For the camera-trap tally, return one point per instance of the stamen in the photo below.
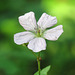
(39, 31)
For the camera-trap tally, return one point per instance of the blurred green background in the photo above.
(60, 54)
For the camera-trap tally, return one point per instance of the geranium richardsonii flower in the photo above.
(37, 32)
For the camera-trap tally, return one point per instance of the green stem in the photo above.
(30, 50)
(33, 53)
(38, 62)
(38, 58)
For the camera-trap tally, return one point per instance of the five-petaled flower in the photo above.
(37, 32)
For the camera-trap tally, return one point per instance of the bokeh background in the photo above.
(60, 54)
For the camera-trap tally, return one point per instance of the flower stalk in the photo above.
(33, 53)
(38, 60)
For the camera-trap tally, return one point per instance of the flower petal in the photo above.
(23, 37)
(54, 33)
(37, 44)
(46, 21)
(28, 21)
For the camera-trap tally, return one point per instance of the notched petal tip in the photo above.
(31, 12)
(38, 50)
(15, 39)
(61, 27)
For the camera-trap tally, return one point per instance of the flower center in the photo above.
(38, 33)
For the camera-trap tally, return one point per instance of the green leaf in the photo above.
(43, 71)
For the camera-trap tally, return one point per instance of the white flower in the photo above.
(36, 33)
